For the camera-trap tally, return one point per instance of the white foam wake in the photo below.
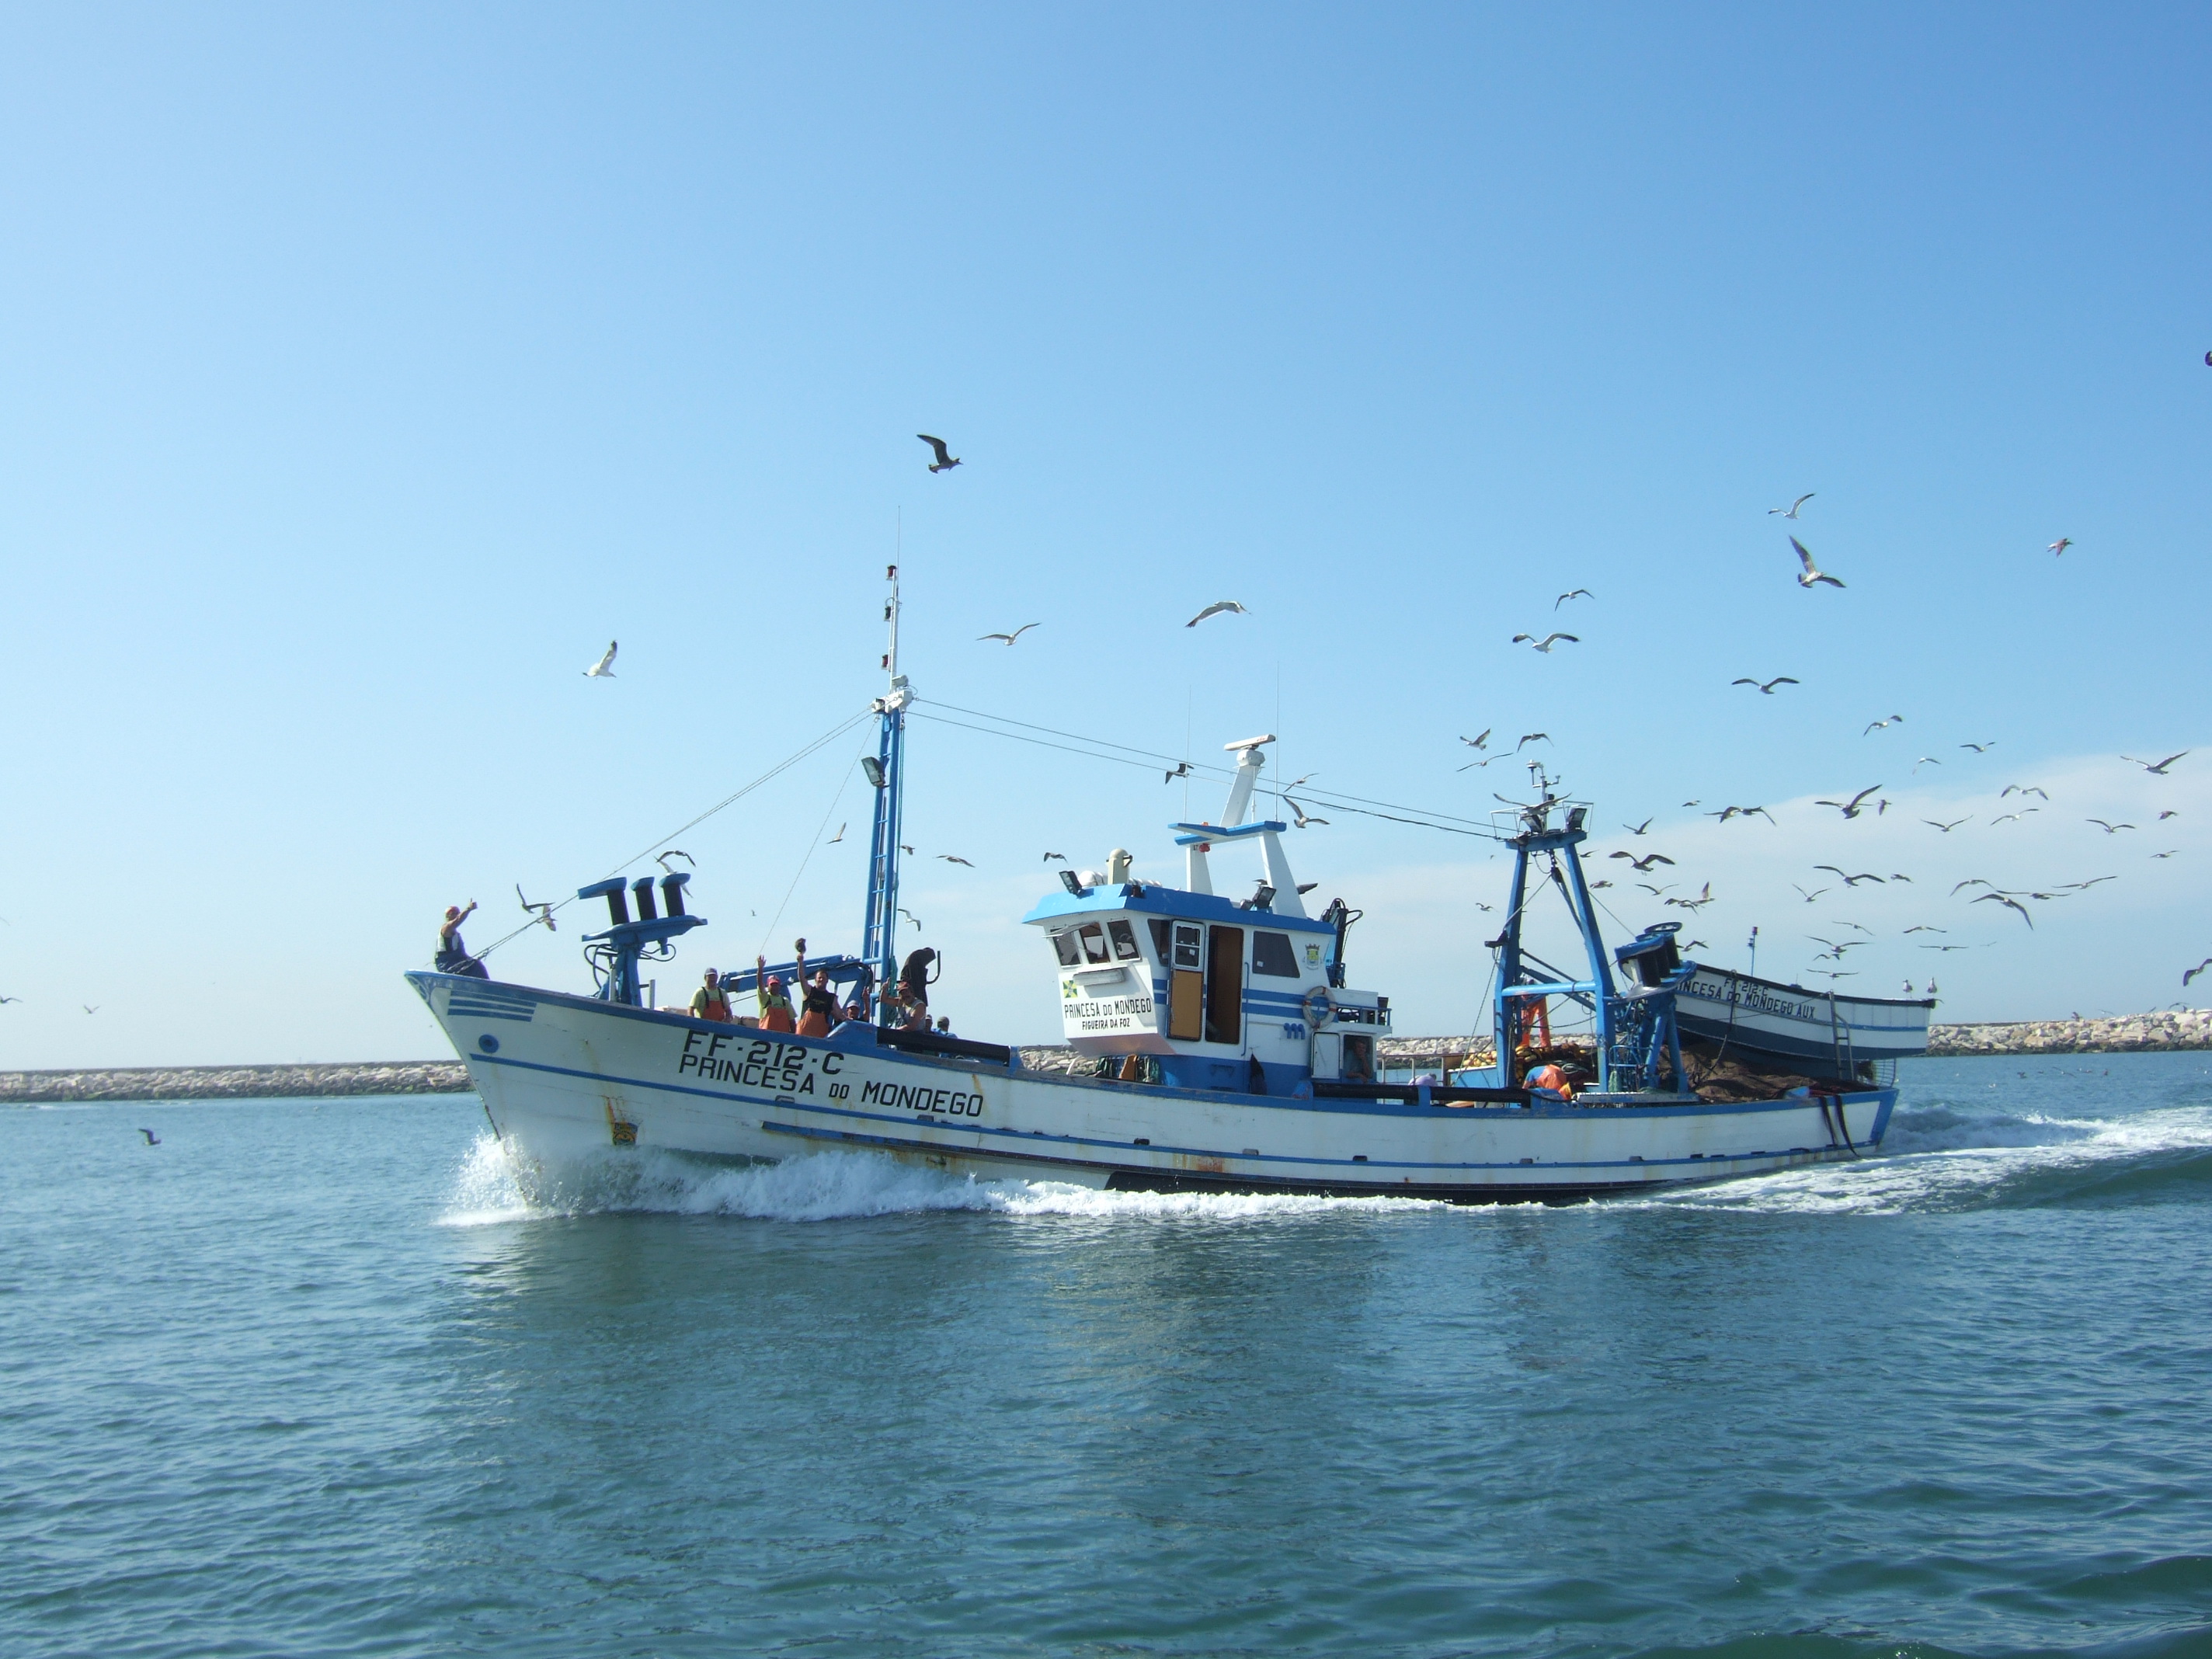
(1944, 1155)
(489, 1189)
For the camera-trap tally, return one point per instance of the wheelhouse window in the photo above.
(1190, 945)
(1272, 955)
(1094, 942)
(1125, 942)
(1064, 947)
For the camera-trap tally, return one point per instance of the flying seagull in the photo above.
(2060, 545)
(1545, 643)
(2168, 813)
(90, 1008)
(954, 858)
(538, 912)
(1768, 688)
(10, 998)
(1300, 813)
(1578, 593)
(1049, 857)
(1215, 610)
(1811, 896)
(1980, 748)
(2109, 828)
(1922, 927)
(1182, 770)
(1852, 881)
(1894, 719)
(1727, 812)
(1851, 808)
(2198, 970)
(1638, 829)
(1643, 866)
(1529, 737)
(1947, 828)
(1925, 760)
(2158, 770)
(946, 461)
(2008, 903)
(834, 839)
(153, 1140)
(1482, 742)
(1008, 638)
(661, 859)
(911, 917)
(1812, 574)
(603, 669)
(1791, 511)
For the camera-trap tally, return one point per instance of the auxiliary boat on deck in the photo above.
(1230, 1053)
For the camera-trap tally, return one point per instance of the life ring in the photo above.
(1319, 1005)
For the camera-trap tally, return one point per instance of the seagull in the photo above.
(1529, 738)
(951, 858)
(1810, 896)
(911, 917)
(1791, 511)
(661, 859)
(89, 1007)
(1693, 803)
(1971, 881)
(2013, 818)
(1852, 881)
(1942, 947)
(1643, 866)
(1049, 857)
(1578, 594)
(1215, 610)
(1980, 748)
(1180, 771)
(946, 461)
(1893, 876)
(1545, 644)
(2168, 813)
(1653, 891)
(1300, 812)
(2166, 854)
(903, 847)
(2083, 886)
(2198, 970)
(1894, 719)
(1597, 885)
(1294, 782)
(10, 998)
(538, 912)
(1704, 898)
(1638, 829)
(1812, 574)
(1947, 828)
(1922, 927)
(834, 839)
(1008, 638)
(153, 1140)
(2109, 828)
(1925, 760)
(1482, 742)
(603, 669)
(2024, 790)
(2158, 770)
(2008, 903)
(1768, 688)
(1727, 812)
(2060, 545)
(1851, 808)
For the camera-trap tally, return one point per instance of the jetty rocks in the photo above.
(422, 1077)
(2117, 1034)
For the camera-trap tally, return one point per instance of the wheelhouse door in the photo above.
(1187, 983)
(1224, 984)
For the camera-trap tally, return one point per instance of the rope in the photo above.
(844, 782)
(781, 766)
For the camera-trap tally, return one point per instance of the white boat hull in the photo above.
(561, 1077)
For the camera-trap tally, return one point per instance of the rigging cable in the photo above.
(781, 766)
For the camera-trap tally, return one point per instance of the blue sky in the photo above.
(366, 369)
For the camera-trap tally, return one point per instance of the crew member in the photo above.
(454, 956)
(710, 1000)
(774, 1001)
(818, 1009)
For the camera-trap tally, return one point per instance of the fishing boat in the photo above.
(1223, 1046)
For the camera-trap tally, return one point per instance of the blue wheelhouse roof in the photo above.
(1147, 899)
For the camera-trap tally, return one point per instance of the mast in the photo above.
(887, 772)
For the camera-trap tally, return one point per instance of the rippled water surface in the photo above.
(310, 1377)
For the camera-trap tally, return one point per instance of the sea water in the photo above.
(314, 1378)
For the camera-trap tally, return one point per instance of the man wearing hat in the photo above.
(710, 1000)
(774, 1001)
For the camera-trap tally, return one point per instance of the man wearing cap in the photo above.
(710, 1000)
(774, 1001)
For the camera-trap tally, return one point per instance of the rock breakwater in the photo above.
(424, 1077)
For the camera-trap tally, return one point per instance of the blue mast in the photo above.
(887, 772)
